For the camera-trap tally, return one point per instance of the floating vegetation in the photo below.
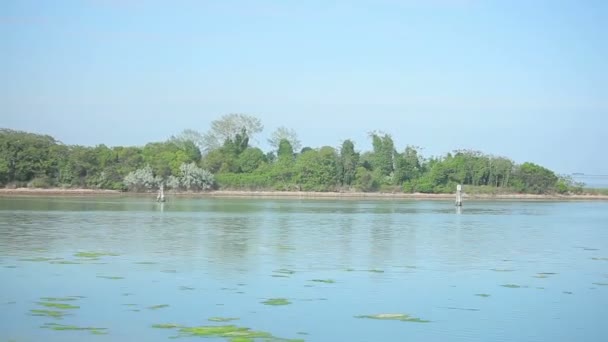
(231, 333)
(159, 306)
(375, 271)
(483, 295)
(350, 270)
(59, 299)
(567, 292)
(603, 259)
(511, 286)
(222, 319)
(302, 333)
(462, 309)
(10, 266)
(40, 259)
(601, 284)
(276, 301)
(61, 306)
(590, 249)
(48, 313)
(542, 275)
(284, 271)
(64, 262)
(166, 326)
(394, 317)
(127, 294)
(186, 288)
(279, 276)
(93, 255)
(99, 332)
(61, 327)
(501, 270)
(326, 281)
(130, 304)
(110, 277)
(146, 263)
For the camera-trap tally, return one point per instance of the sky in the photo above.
(522, 79)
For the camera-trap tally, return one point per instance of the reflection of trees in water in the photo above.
(228, 240)
(382, 232)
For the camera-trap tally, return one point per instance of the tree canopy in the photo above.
(231, 162)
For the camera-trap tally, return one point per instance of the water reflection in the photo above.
(424, 258)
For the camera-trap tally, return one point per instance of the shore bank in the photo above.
(297, 195)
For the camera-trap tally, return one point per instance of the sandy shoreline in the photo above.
(296, 195)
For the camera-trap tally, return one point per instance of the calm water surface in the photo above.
(223, 257)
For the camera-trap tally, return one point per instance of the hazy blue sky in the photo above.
(525, 79)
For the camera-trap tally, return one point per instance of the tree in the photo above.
(383, 153)
(283, 133)
(251, 159)
(317, 170)
(349, 159)
(193, 177)
(535, 178)
(227, 127)
(141, 179)
(188, 136)
(285, 151)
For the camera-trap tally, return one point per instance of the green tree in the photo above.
(349, 159)
(227, 127)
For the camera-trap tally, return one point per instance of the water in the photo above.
(592, 181)
(223, 257)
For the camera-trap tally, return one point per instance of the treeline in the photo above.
(224, 158)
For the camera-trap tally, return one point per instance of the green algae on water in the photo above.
(394, 317)
(601, 284)
(110, 277)
(159, 306)
(40, 259)
(483, 295)
(146, 263)
(511, 286)
(326, 281)
(186, 288)
(222, 319)
(48, 313)
(276, 301)
(61, 327)
(93, 255)
(375, 271)
(166, 326)
(603, 259)
(231, 332)
(59, 299)
(60, 306)
(284, 271)
(64, 262)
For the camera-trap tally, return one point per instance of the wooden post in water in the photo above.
(161, 193)
(459, 195)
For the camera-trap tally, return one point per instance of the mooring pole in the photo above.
(459, 195)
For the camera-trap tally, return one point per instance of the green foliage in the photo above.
(230, 162)
(347, 166)
(317, 170)
(535, 178)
